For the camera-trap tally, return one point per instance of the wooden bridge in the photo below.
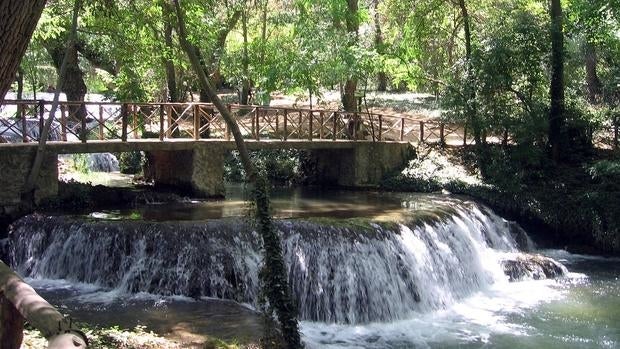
(185, 144)
(86, 121)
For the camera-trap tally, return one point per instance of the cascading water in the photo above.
(103, 162)
(95, 162)
(349, 272)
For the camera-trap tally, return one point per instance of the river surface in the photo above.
(580, 310)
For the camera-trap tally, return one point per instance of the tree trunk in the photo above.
(72, 84)
(381, 76)
(11, 325)
(273, 274)
(245, 85)
(18, 19)
(556, 113)
(20, 83)
(28, 189)
(594, 83)
(349, 102)
(171, 79)
(471, 109)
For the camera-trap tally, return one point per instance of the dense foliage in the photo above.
(493, 74)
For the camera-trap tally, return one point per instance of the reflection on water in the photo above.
(181, 319)
(290, 203)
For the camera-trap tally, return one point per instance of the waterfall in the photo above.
(11, 130)
(103, 162)
(339, 271)
(94, 162)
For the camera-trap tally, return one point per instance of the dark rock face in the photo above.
(532, 267)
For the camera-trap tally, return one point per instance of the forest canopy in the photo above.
(490, 64)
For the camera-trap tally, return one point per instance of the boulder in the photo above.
(532, 267)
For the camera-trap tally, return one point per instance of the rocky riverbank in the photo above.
(576, 206)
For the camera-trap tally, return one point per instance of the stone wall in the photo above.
(200, 172)
(364, 165)
(15, 165)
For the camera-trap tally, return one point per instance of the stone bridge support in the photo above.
(199, 171)
(198, 167)
(364, 165)
(15, 165)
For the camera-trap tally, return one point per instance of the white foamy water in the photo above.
(472, 321)
(436, 280)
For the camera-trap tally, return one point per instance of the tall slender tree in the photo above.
(349, 102)
(276, 286)
(556, 112)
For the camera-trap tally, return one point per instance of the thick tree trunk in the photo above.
(11, 325)
(556, 91)
(72, 84)
(18, 19)
(349, 102)
(274, 273)
(594, 83)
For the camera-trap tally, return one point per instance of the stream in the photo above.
(368, 270)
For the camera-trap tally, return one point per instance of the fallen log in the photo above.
(19, 302)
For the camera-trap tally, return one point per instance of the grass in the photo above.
(136, 338)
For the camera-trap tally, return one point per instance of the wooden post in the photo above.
(133, 109)
(225, 123)
(402, 129)
(22, 114)
(124, 122)
(169, 117)
(421, 132)
(277, 124)
(616, 133)
(380, 136)
(505, 140)
(83, 133)
(335, 122)
(100, 122)
(41, 107)
(285, 124)
(11, 325)
(355, 125)
(465, 134)
(310, 125)
(196, 122)
(63, 122)
(162, 128)
(322, 123)
(442, 137)
(257, 135)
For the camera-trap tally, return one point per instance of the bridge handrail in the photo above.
(20, 302)
(203, 104)
(197, 120)
(202, 120)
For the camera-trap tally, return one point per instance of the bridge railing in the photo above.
(22, 121)
(19, 303)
